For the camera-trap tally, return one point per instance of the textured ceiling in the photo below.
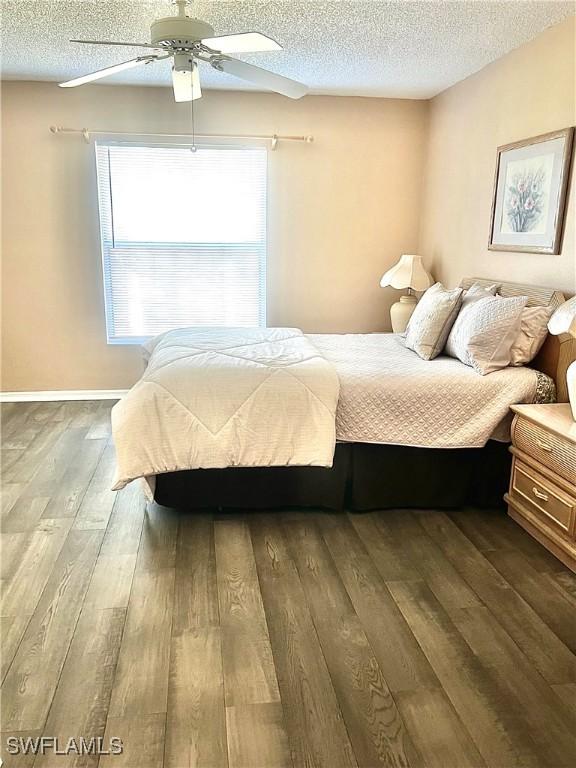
(406, 48)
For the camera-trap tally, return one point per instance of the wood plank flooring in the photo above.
(294, 639)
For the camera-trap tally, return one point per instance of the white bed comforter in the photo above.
(390, 395)
(227, 397)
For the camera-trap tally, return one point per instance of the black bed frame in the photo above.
(363, 477)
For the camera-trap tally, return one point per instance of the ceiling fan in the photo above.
(188, 41)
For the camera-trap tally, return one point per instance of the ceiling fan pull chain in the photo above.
(193, 147)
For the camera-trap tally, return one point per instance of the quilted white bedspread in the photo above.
(227, 397)
(390, 395)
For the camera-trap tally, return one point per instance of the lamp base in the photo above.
(571, 384)
(401, 312)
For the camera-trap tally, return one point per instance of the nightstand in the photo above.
(542, 495)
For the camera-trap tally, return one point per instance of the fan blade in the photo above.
(108, 71)
(259, 76)
(115, 42)
(243, 42)
(186, 84)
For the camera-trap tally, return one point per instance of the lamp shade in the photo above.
(564, 319)
(407, 273)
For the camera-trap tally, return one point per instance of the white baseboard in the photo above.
(62, 394)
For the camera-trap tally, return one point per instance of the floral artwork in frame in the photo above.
(530, 193)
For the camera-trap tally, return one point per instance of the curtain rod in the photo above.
(272, 138)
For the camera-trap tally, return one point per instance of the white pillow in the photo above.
(533, 331)
(474, 293)
(478, 290)
(430, 324)
(484, 332)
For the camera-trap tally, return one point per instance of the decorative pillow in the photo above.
(533, 331)
(474, 293)
(477, 290)
(485, 330)
(430, 324)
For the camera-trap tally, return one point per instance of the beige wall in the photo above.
(528, 92)
(342, 210)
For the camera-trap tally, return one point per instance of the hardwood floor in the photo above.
(301, 639)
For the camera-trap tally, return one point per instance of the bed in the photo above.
(403, 432)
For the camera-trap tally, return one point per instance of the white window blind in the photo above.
(183, 237)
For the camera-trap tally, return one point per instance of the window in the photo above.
(183, 237)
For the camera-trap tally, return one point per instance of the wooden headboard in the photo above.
(557, 351)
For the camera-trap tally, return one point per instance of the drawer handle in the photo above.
(539, 494)
(544, 446)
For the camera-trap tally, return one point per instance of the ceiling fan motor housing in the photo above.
(179, 31)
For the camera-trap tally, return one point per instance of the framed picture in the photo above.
(530, 192)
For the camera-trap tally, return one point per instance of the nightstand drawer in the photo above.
(556, 453)
(542, 496)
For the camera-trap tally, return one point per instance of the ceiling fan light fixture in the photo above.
(185, 79)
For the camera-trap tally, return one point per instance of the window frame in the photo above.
(156, 142)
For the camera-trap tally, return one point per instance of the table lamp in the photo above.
(407, 273)
(563, 323)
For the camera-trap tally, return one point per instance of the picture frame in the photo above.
(530, 193)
